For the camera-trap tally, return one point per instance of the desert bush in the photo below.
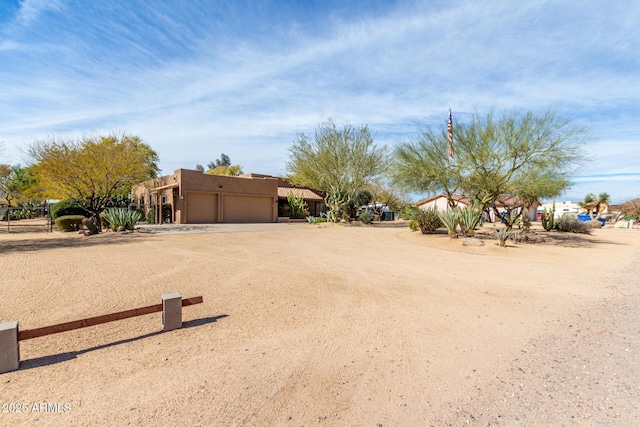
(66, 207)
(594, 223)
(568, 223)
(427, 220)
(69, 222)
(631, 209)
(366, 217)
(122, 219)
(413, 225)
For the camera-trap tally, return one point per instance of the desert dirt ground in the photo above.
(326, 325)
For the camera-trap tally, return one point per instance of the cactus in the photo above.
(549, 223)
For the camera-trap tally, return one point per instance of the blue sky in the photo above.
(196, 78)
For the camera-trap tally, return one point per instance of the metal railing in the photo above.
(27, 219)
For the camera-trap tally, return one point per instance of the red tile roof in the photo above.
(283, 193)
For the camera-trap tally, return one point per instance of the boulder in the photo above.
(472, 241)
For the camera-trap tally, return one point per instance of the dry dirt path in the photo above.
(322, 325)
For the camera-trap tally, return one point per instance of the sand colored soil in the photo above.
(326, 325)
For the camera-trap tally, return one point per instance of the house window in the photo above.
(164, 199)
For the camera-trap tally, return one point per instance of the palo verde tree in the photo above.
(337, 161)
(517, 157)
(422, 165)
(93, 170)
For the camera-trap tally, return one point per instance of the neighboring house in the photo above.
(561, 208)
(193, 197)
(441, 202)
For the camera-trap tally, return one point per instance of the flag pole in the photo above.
(450, 134)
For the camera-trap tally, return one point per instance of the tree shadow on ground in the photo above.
(63, 357)
(553, 238)
(73, 240)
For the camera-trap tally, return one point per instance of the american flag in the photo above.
(450, 130)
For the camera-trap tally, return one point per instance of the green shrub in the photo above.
(413, 225)
(69, 222)
(427, 220)
(366, 217)
(570, 224)
(122, 219)
(67, 207)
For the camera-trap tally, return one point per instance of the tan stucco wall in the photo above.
(192, 181)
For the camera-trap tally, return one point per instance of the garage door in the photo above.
(202, 208)
(248, 209)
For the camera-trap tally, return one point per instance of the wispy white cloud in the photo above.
(219, 77)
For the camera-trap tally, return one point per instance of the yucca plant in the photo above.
(469, 217)
(450, 218)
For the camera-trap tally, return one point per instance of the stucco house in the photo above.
(192, 197)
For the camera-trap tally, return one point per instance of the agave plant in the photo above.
(450, 218)
(469, 217)
(504, 233)
(122, 219)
